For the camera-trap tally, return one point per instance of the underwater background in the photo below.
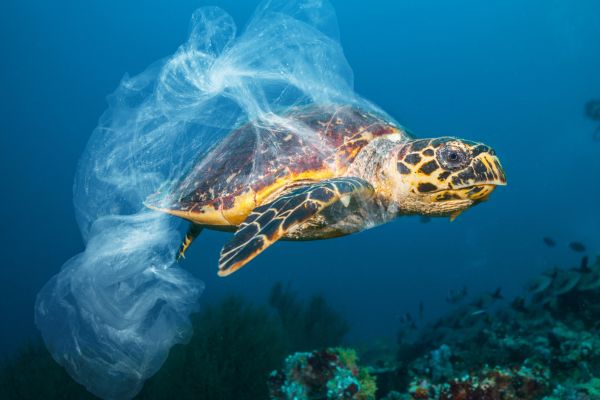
(515, 75)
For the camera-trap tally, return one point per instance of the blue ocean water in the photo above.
(511, 74)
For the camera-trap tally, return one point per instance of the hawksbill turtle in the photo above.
(355, 169)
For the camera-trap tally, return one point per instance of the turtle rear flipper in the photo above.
(269, 222)
(192, 234)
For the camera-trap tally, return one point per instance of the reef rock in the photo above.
(324, 374)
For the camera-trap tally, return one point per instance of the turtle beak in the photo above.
(490, 175)
(480, 193)
(494, 174)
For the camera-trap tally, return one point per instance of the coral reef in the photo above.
(583, 391)
(520, 383)
(544, 345)
(330, 374)
(441, 365)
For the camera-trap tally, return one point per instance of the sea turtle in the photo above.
(321, 172)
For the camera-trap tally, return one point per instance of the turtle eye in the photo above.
(452, 157)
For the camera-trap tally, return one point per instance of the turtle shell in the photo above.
(259, 159)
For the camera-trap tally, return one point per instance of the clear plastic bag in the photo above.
(113, 312)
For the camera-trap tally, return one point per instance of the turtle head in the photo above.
(443, 176)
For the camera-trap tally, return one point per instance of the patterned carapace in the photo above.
(258, 159)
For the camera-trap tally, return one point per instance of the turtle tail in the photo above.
(191, 234)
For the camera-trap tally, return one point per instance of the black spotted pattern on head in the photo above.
(477, 172)
(447, 196)
(443, 176)
(435, 143)
(478, 149)
(475, 190)
(413, 158)
(469, 142)
(429, 167)
(479, 168)
(427, 187)
(419, 145)
(464, 176)
(403, 169)
(428, 152)
(499, 168)
(482, 172)
(444, 196)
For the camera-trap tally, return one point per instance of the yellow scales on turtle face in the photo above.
(354, 170)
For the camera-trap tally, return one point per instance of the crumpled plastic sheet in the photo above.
(112, 313)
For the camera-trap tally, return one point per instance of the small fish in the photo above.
(549, 241)
(577, 247)
(425, 219)
(478, 312)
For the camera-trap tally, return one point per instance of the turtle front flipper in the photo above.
(192, 234)
(269, 222)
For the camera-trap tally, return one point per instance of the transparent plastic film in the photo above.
(113, 312)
